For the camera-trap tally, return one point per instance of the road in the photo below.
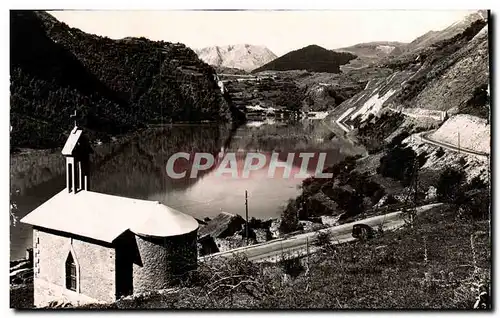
(437, 115)
(424, 135)
(425, 138)
(341, 118)
(299, 244)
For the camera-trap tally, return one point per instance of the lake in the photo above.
(138, 170)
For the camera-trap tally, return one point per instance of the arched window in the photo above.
(70, 273)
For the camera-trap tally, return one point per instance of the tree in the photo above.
(440, 152)
(396, 141)
(351, 202)
(476, 183)
(289, 218)
(476, 204)
(398, 164)
(448, 186)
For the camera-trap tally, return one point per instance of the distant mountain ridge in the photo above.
(313, 58)
(373, 49)
(370, 52)
(458, 27)
(450, 75)
(241, 56)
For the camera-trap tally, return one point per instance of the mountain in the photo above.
(115, 86)
(426, 85)
(242, 56)
(432, 37)
(372, 49)
(312, 58)
(373, 52)
(370, 52)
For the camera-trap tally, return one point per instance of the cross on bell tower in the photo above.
(73, 116)
(77, 151)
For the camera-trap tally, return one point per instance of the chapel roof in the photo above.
(105, 217)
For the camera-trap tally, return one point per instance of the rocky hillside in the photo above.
(473, 132)
(114, 85)
(325, 91)
(442, 88)
(276, 91)
(449, 32)
(311, 58)
(368, 53)
(307, 91)
(229, 70)
(449, 76)
(410, 115)
(242, 56)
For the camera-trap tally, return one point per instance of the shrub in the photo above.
(398, 164)
(476, 183)
(448, 186)
(289, 218)
(365, 186)
(476, 204)
(292, 267)
(350, 202)
(422, 159)
(396, 141)
(323, 239)
(255, 223)
(377, 196)
(478, 104)
(373, 132)
(21, 296)
(440, 152)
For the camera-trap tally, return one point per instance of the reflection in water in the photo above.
(138, 171)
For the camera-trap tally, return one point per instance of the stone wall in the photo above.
(95, 264)
(163, 261)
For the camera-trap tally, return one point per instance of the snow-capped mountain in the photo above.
(242, 56)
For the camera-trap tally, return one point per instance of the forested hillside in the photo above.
(115, 86)
(311, 58)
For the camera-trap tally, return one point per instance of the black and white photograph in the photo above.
(250, 159)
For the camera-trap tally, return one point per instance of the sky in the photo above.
(280, 31)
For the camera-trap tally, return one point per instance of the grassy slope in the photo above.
(432, 265)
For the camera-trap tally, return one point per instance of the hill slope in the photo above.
(371, 52)
(312, 58)
(372, 49)
(451, 76)
(115, 86)
(242, 56)
(449, 32)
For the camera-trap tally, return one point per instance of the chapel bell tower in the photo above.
(77, 151)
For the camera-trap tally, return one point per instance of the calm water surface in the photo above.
(138, 171)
